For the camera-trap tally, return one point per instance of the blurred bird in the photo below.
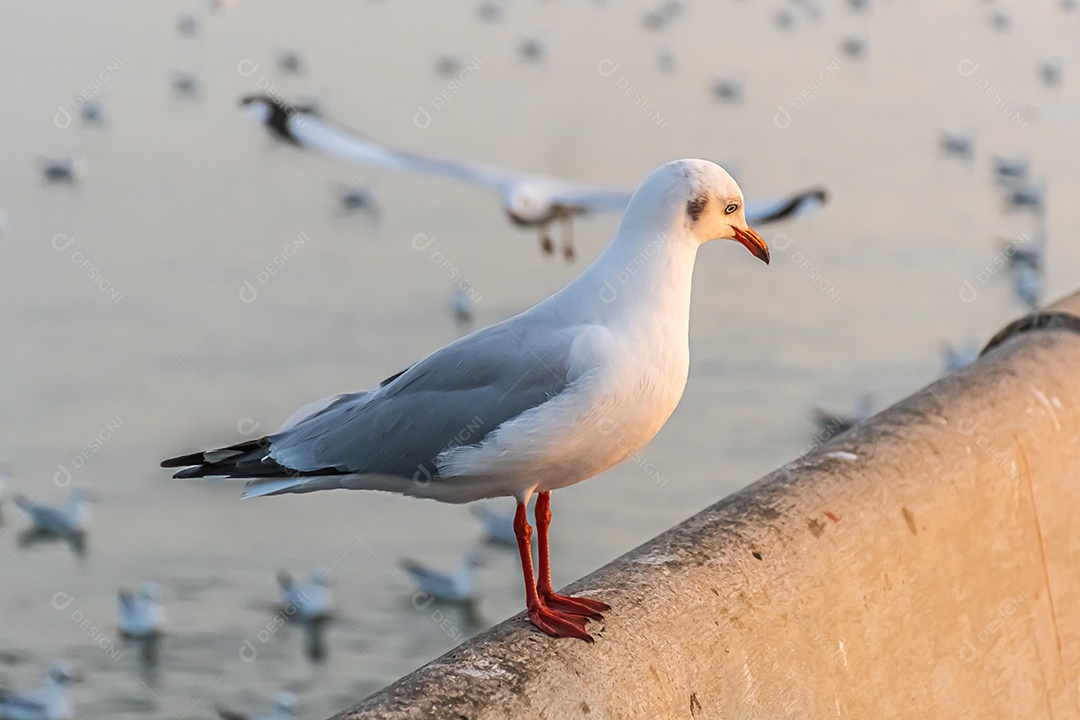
(357, 198)
(960, 143)
(1050, 71)
(49, 523)
(854, 45)
(1025, 251)
(859, 5)
(1027, 286)
(140, 619)
(461, 305)
(530, 201)
(48, 703)
(532, 48)
(448, 65)
(290, 62)
(784, 19)
(499, 527)
(665, 59)
(1010, 170)
(61, 170)
(187, 24)
(284, 709)
(1029, 196)
(954, 358)
(663, 15)
(303, 602)
(728, 89)
(830, 424)
(456, 587)
(92, 113)
(490, 10)
(1001, 21)
(185, 83)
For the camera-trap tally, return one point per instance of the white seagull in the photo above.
(48, 703)
(284, 709)
(530, 201)
(140, 618)
(304, 602)
(309, 605)
(456, 587)
(68, 524)
(546, 399)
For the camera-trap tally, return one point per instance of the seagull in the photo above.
(284, 709)
(49, 523)
(728, 89)
(1027, 196)
(490, 10)
(498, 528)
(187, 24)
(666, 60)
(530, 201)
(1050, 71)
(1027, 286)
(140, 618)
(447, 65)
(461, 305)
(960, 143)
(185, 83)
(290, 62)
(92, 112)
(456, 587)
(357, 198)
(532, 49)
(61, 170)
(309, 605)
(1001, 21)
(48, 703)
(551, 397)
(854, 45)
(306, 602)
(831, 424)
(1010, 170)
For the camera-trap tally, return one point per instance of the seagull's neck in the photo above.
(645, 271)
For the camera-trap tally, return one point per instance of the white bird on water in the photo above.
(140, 618)
(48, 703)
(453, 587)
(68, 524)
(531, 201)
(305, 602)
(546, 399)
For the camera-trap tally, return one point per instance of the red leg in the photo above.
(552, 622)
(563, 603)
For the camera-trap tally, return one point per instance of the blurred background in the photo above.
(196, 281)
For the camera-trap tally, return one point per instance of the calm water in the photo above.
(131, 342)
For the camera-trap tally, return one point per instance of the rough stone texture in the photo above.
(924, 565)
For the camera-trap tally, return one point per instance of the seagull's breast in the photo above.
(631, 381)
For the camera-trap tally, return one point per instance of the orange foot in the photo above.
(558, 624)
(568, 605)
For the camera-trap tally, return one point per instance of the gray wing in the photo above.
(44, 517)
(456, 396)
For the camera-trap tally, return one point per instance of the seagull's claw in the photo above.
(556, 624)
(584, 607)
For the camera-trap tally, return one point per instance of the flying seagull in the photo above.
(551, 397)
(68, 524)
(530, 201)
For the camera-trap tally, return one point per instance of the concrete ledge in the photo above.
(923, 565)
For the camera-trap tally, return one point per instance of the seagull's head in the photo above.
(700, 199)
(527, 204)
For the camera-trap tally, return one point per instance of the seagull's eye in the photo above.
(732, 207)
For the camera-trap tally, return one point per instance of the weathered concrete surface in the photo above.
(924, 565)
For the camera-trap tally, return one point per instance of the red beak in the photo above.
(753, 242)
